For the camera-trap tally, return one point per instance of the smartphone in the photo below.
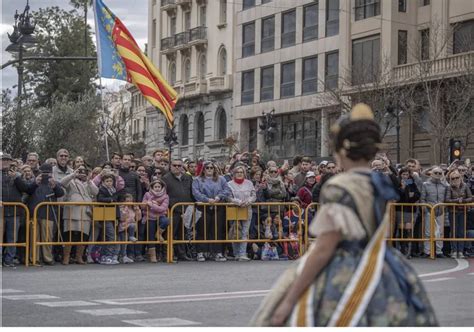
(408, 182)
(285, 161)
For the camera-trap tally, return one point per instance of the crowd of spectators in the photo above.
(159, 183)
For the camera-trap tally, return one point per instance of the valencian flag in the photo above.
(119, 57)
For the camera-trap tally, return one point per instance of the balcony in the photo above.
(194, 89)
(198, 36)
(432, 69)
(181, 40)
(184, 3)
(168, 5)
(167, 45)
(220, 84)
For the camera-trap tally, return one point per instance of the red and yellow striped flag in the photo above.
(139, 69)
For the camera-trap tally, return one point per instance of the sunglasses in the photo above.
(239, 172)
(455, 178)
(63, 156)
(174, 165)
(438, 173)
(330, 167)
(273, 172)
(209, 167)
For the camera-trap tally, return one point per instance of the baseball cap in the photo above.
(310, 174)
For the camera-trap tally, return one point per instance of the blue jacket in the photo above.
(206, 188)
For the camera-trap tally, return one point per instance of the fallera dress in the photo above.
(366, 283)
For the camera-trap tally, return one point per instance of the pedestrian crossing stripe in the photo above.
(29, 297)
(161, 322)
(111, 312)
(67, 304)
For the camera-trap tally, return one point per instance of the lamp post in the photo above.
(268, 126)
(396, 114)
(170, 139)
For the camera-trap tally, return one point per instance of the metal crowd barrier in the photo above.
(16, 223)
(310, 213)
(93, 214)
(447, 214)
(260, 214)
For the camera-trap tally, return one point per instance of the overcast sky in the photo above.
(133, 13)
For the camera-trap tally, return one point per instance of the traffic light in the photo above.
(455, 150)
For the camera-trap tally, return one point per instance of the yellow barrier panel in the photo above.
(16, 215)
(204, 230)
(310, 212)
(47, 230)
(457, 216)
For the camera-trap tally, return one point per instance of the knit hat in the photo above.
(46, 168)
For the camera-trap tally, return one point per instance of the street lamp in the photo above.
(391, 111)
(170, 139)
(268, 126)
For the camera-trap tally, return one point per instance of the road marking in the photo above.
(67, 304)
(471, 274)
(161, 322)
(29, 297)
(462, 265)
(439, 279)
(185, 298)
(111, 312)
(9, 291)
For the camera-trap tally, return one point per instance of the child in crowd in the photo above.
(157, 201)
(129, 216)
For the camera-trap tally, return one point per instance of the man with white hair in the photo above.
(434, 192)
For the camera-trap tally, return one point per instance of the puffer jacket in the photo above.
(463, 192)
(159, 206)
(433, 192)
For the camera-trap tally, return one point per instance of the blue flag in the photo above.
(109, 61)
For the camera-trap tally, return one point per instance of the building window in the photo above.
(425, 44)
(266, 83)
(268, 34)
(184, 130)
(366, 8)
(425, 2)
(248, 39)
(310, 22)
(187, 70)
(187, 21)
(222, 61)
(288, 28)
(265, 1)
(173, 25)
(287, 87)
(310, 75)
(248, 4)
(365, 60)
(402, 46)
(332, 17)
(202, 67)
(332, 70)
(199, 128)
(153, 34)
(247, 87)
(202, 16)
(402, 6)
(173, 73)
(221, 124)
(463, 39)
(223, 12)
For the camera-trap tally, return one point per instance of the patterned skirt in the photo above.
(388, 307)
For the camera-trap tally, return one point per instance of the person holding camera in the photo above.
(13, 187)
(77, 219)
(47, 190)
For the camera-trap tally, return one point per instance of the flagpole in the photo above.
(106, 122)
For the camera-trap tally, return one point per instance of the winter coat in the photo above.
(44, 193)
(409, 195)
(133, 185)
(305, 195)
(78, 191)
(179, 190)
(433, 192)
(463, 192)
(12, 190)
(206, 188)
(275, 191)
(159, 206)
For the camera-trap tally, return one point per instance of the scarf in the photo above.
(158, 193)
(239, 181)
(63, 169)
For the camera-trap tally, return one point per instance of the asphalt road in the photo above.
(188, 293)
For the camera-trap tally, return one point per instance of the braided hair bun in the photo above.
(357, 136)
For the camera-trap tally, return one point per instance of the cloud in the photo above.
(134, 14)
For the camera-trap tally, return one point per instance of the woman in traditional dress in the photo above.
(349, 277)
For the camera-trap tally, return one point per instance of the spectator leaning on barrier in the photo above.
(77, 219)
(211, 188)
(406, 216)
(434, 192)
(458, 193)
(158, 201)
(47, 190)
(179, 186)
(243, 195)
(13, 187)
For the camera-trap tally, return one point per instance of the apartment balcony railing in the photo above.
(184, 3)
(193, 89)
(167, 44)
(168, 5)
(432, 69)
(198, 35)
(220, 83)
(181, 40)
